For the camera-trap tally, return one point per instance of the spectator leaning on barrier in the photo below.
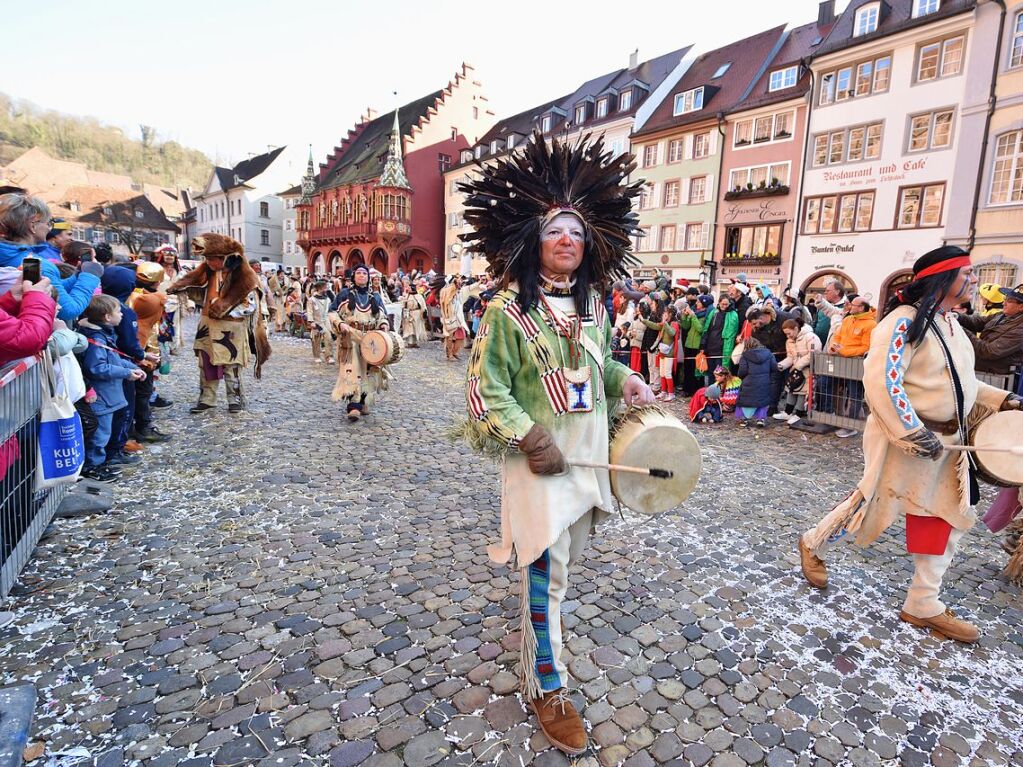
(23, 221)
(852, 339)
(999, 346)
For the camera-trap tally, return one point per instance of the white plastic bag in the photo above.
(70, 381)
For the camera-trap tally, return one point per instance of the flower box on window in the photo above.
(750, 191)
(744, 259)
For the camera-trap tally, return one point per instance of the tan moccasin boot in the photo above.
(946, 624)
(560, 721)
(814, 569)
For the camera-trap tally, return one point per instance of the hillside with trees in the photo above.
(100, 147)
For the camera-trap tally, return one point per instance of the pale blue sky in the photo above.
(231, 77)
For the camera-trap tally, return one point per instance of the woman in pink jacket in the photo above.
(26, 319)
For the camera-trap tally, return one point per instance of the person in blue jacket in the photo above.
(104, 371)
(755, 394)
(119, 282)
(24, 223)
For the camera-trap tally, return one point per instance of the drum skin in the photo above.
(654, 439)
(382, 347)
(1002, 430)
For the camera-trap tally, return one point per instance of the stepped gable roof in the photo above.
(745, 59)
(363, 158)
(246, 170)
(800, 43)
(896, 16)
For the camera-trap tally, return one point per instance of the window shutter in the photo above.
(712, 142)
(708, 188)
(655, 190)
(683, 192)
(706, 235)
(651, 239)
(687, 147)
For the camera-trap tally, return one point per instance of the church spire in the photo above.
(394, 165)
(308, 180)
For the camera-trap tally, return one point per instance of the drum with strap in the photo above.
(382, 347)
(652, 438)
(1000, 431)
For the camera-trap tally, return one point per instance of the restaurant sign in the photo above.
(764, 211)
(877, 173)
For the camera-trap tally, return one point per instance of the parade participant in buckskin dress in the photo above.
(354, 312)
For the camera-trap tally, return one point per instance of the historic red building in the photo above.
(379, 197)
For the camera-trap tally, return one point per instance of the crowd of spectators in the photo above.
(106, 315)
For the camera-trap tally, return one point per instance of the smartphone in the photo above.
(30, 270)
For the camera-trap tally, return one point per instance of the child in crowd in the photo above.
(755, 395)
(705, 406)
(800, 345)
(620, 343)
(729, 385)
(104, 371)
(667, 338)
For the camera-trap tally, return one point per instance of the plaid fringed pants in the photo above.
(548, 582)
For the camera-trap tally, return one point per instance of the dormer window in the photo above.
(493, 147)
(721, 70)
(602, 107)
(866, 19)
(545, 124)
(466, 155)
(925, 7)
(783, 78)
(625, 101)
(479, 152)
(510, 141)
(74, 206)
(580, 114)
(139, 214)
(689, 101)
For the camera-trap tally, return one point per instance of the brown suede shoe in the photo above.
(133, 446)
(560, 722)
(946, 624)
(814, 570)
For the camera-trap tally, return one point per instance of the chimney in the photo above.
(826, 12)
(371, 114)
(633, 59)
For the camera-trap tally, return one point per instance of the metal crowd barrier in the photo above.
(836, 390)
(24, 513)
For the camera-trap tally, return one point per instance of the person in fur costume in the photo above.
(231, 327)
(555, 226)
(920, 383)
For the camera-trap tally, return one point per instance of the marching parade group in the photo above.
(569, 358)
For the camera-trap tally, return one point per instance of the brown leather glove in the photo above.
(542, 455)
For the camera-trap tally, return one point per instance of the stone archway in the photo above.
(894, 281)
(317, 265)
(354, 258)
(333, 262)
(419, 260)
(379, 260)
(814, 284)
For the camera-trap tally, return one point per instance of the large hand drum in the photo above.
(651, 438)
(1001, 431)
(382, 347)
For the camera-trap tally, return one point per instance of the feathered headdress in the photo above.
(514, 197)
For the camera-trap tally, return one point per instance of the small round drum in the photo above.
(382, 347)
(651, 438)
(1001, 430)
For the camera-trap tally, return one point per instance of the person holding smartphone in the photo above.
(26, 319)
(25, 220)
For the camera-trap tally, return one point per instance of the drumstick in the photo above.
(659, 473)
(1016, 450)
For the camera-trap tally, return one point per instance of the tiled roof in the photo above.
(294, 191)
(363, 159)
(896, 16)
(230, 178)
(800, 43)
(93, 201)
(745, 59)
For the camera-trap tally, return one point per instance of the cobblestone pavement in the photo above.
(282, 588)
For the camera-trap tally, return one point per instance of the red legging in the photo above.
(636, 359)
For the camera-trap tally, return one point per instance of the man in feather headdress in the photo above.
(555, 225)
(230, 327)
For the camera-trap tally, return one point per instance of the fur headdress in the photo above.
(514, 197)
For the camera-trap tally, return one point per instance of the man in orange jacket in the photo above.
(852, 339)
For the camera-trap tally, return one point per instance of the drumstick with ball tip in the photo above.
(658, 473)
(1015, 450)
